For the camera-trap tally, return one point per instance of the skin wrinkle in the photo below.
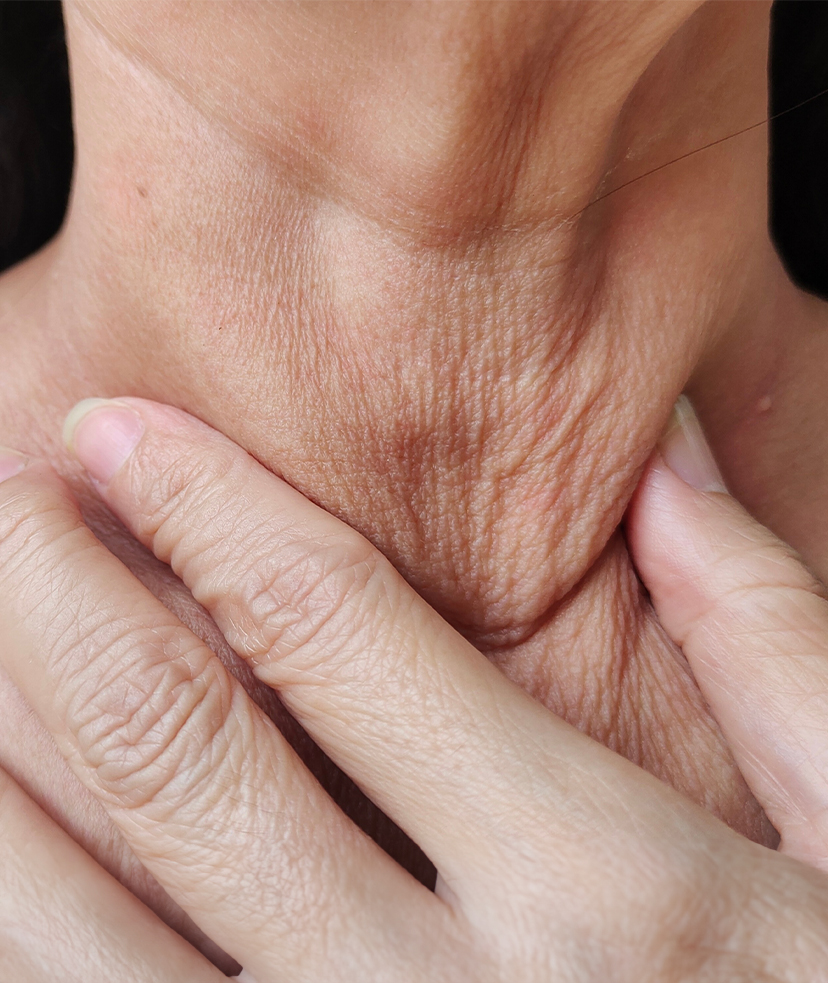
(117, 48)
(84, 703)
(418, 468)
(340, 575)
(566, 42)
(147, 733)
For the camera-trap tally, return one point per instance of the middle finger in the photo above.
(404, 704)
(208, 793)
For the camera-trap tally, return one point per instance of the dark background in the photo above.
(799, 140)
(35, 126)
(36, 132)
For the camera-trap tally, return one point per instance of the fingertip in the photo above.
(674, 533)
(655, 498)
(12, 462)
(679, 496)
(686, 452)
(74, 417)
(36, 474)
(102, 434)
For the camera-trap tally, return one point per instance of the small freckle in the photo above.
(763, 405)
(142, 191)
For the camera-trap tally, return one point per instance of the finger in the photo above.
(408, 708)
(206, 790)
(753, 625)
(62, 917)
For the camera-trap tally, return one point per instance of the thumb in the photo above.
(752, 623)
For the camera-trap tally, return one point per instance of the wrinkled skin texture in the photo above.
(558, 859)
(395, 253)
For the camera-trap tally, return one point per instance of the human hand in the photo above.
(355, 239)
(556, 856)
(380, 266)
(62, 917)
(752, 622)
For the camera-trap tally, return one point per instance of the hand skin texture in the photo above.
(400, 254)
(558, 859)
(62, 917)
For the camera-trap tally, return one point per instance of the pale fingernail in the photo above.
(102, 433)
(11, 463)
(687, 453)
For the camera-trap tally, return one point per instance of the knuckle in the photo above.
(721, 913)
(152, 723)
(762, 560)
(763, 584)
(707, 937)
(186, 486)
(693, 927)
(307, 602)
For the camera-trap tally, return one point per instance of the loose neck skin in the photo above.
(445, 268)
(247, 176)
(405, 256)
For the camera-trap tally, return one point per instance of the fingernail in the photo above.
(102, 433)
(687, 453)
(11, 463)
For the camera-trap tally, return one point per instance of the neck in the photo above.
(366, 252)
(761, 393)
(233, 248)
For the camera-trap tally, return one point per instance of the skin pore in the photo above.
(360, 242)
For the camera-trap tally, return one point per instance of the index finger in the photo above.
(208, 793)
(429, 728)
